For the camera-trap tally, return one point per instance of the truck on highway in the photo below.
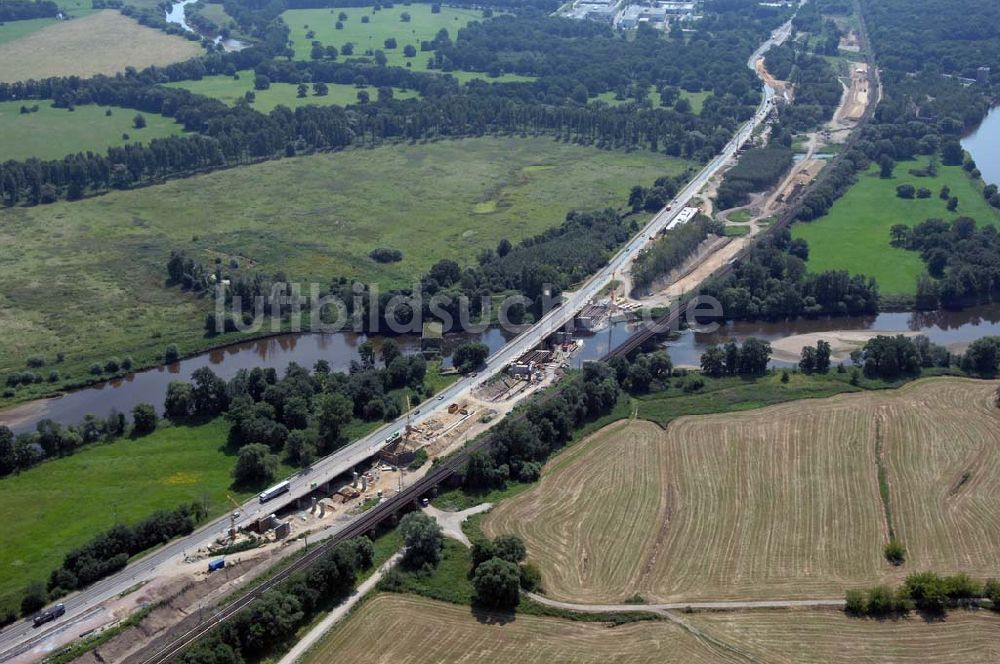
(49, 615)
(275, 491)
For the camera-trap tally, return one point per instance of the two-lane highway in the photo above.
(21, 637)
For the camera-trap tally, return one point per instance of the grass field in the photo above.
(854, 236)
(230, 90)
(778, 502)
(101, 43)
(808, 636)
(52, 133)
(16, 29)
(423, 26)
(91, 285)
(61, 504)
(423, 630)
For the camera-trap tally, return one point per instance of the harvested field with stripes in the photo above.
(830, 636)
(403, 629)
(781, 502)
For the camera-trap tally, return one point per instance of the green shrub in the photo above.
(895, 552)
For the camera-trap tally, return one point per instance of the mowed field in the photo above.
(426, 631)
(781, 502)
(423, 630)
(92, 284)
(52, 133)
(382, 25)
(101, 43)
(230, 90)
(61, 504)
(820, 636)
(854, 235)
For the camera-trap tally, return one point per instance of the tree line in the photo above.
(519, 446)
(926, 592)
(21, 10)
(110, 551)
(277, 615)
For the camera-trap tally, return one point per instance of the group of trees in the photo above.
(733, 359)
(674, 247)
(52, 440)
(772, 282)
(757, 169)
(518, 446)
(110, 551)
(891, 358)
(498, 574)
(301, 415)
(924, 591)
(815, 359)
(280, 612)
(817, 90)
(962, 259)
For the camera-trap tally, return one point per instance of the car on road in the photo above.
(48, 615)
(440, 397)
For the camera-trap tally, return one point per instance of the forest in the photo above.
(572, 60)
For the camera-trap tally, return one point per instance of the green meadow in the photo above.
(854, 235)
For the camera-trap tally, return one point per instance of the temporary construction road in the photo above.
(21, 637)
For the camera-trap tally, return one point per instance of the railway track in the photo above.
(364, 524)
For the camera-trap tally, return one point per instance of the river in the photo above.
(984, 146)
(948, 328)
(275, 352)
(176, 15)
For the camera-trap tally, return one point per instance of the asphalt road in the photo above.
(21, 636)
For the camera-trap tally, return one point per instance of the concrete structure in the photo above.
(432, 338)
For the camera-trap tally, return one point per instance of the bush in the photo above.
(171, 354)
(855, 603)
(143, 419)
(34, 599)
(895, 552)
(906, 191)
(531, 578)
(386, 255)
(419, 459)
(36, 362)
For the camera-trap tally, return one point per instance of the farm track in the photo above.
(782, 502)
(428, 631)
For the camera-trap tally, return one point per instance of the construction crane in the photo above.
(235, 514)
